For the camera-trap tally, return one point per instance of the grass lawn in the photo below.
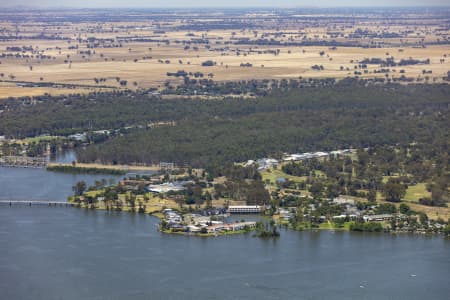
(332, 226)
(319, 173)
(415, 192)
(272, 176)
(94, 193)
(386, 178)
(326, 225)
(157, 204)
(432, 212)
(39, 138)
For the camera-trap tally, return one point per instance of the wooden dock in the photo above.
(35, 203)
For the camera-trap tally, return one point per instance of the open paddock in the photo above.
(137, 50)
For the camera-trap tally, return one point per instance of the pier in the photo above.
(24, 162)
(35, 203)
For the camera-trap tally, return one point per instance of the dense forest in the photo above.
(65, 115)
(213, 132)
(314, 119)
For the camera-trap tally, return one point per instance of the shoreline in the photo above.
(157, 214)
(160, 216)
(153, 168)
(237, 232)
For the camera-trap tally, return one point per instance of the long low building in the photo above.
(166, 187)
(231, 226)
(244, 209)
(377, 218)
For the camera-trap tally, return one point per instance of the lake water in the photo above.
(69, 253)
(39, 184)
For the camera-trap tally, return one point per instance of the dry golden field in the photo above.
(142, 52)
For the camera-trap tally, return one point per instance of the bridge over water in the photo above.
(24, 161)
(35, 202)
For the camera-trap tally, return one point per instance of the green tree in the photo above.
(423, 219)
(404, 209)
(372, 195)
(79, 188)
(316, 189)
(394, 191)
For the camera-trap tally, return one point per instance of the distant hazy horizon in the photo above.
(218, 4)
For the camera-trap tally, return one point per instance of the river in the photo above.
(39, 184)
(69, 253)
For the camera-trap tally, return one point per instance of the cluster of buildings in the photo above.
(267, 163)
(286, 214)
(319, 154)
(82, 137)
(350, 212)
(196, 223)
(172, 217)
(263, 163)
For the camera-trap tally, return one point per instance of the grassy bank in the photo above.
(84, 170)
(128, 168)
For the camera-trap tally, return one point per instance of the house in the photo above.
(320, 154)
(193, 228)
(216, 228)
(249, 163)
(350, 217)
(166, 165)
(202, 220)
(240, 225)
(172, 216)
(176, 227)
(105, 132)
(343, 200)
(81, 137)
(266, 163)
(285, 214)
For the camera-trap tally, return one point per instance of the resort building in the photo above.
(245, 209)
(231, 226)
(377, 218)
(166, 187)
